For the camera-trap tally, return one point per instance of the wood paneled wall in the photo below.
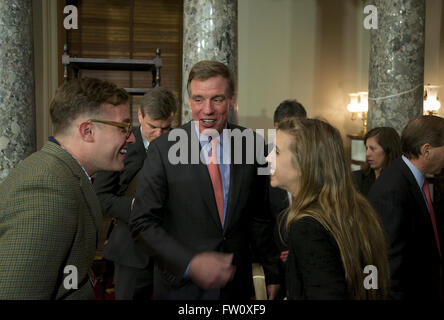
(131, 29)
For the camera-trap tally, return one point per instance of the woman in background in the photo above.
(382, 146)
(333, 233)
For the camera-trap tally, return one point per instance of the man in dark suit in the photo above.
(50, 220)
(133, 269)
(202, 221)
(401, 196)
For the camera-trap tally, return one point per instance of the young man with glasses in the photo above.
(133, 269)
(50, 219)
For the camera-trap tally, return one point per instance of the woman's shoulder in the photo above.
(363, 181)
(308, 237)
(306, 226)
(363, 174)
(357, 175)
(307, 220)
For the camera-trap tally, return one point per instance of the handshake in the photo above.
(214, 269)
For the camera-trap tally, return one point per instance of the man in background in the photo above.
(401, 196)
(133, 269)
(50, 219)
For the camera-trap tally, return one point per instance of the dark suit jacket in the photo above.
(175, 217)
(363, 183)
(413, 253)
(110, 188)
(49, 218)
(314, 265)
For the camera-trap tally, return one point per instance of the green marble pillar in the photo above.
(396, 72)
(17, 109)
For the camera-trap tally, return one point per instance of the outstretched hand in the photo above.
(273, 290)
(211, 269)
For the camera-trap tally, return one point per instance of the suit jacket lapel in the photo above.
(415, 189)
(93, 204)
(133, 162)
(234, 192)
(138, 145)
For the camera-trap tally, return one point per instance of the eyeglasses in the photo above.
(124, 125)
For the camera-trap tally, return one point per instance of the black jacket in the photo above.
(413, 253)
(314, 266)
(363, 182)
(110, 188)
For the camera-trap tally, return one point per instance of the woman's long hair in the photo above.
(327, 194)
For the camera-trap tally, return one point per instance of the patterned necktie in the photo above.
(216, 179)
(435, 229)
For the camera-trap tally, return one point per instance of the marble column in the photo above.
(396, 69)
(17, 110)
(209, 33)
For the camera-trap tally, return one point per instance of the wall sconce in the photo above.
(431, 100)
(358, 106)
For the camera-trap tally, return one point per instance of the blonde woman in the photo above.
(333, 233)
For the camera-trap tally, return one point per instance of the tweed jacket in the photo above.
(49, 218)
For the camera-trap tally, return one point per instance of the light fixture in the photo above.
(358, 107)
(353, 106)
(431, 100)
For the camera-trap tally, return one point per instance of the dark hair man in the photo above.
(288, 109)
(50, 220)
(133, 269)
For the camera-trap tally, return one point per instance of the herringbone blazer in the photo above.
(49, 218)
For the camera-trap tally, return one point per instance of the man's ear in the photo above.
(86, 131)
(139, 115)
(425, 150)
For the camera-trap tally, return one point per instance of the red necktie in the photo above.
(216, 179)
(435, 229)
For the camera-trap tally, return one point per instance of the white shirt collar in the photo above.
(203, 138)
(146, 143)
